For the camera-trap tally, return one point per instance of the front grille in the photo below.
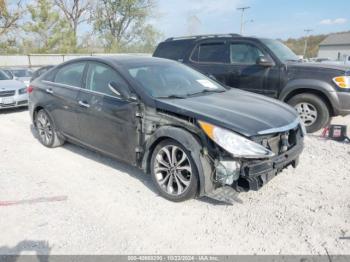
(7, 105)
(24, 102)
(280, 142)
(7, 93)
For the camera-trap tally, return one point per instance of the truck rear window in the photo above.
(175, 50)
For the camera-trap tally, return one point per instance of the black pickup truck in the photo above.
(317, 91)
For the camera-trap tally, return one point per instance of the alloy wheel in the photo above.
(44, 127)
(172, 169)
(307, 112)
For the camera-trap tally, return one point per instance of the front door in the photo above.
(107, 122)
(246, 74)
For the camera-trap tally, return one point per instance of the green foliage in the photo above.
(297, 45)
(122, 24)
(50, 26)
(74, 13)
(9, 17)
(45, 28)
(148, 41)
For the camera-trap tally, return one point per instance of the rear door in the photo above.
(61, 97)
(107, 122)
(211, 58)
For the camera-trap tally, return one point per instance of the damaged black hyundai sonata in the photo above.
(189, 132)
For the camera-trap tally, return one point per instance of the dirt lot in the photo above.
(72, 201)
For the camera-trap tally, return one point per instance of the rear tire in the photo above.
(174, 172)
(47, 133)
(313, 111)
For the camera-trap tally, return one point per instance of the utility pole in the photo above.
(242, 9)
(307, 31)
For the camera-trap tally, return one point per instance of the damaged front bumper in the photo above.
(253, 174)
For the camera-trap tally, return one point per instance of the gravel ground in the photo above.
(73, 201)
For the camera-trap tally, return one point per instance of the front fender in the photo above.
(192, 144)
(326, 89)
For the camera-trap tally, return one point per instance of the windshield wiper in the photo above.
(172, 96)
(208, 91)
(293, 60)
(193, 94)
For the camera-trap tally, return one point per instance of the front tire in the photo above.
(174, 172)
(313, 111)
(46, 130)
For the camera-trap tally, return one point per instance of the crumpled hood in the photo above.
(8, 85)
(243, 112)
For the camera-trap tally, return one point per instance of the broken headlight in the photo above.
(227, 172)
(235, 144)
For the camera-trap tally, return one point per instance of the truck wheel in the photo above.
(173, 171)
(313, 111)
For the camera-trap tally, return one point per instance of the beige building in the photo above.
(335, 46)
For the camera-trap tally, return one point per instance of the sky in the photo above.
(271, 18)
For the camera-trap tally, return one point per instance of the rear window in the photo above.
(175, 50)
(71, 74)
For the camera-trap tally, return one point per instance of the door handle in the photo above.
(49, 90)
(84, 104)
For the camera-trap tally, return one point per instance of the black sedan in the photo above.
(190, 133)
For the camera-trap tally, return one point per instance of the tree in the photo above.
(297, 45)
(49, 31)
(147, 43)
(75, 12)
(122, 22)
(9, 17)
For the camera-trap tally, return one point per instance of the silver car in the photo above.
(22, 74)
(13, 93)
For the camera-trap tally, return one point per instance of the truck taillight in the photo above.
(30, 89)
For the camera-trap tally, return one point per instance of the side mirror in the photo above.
(121, 91)
(263, 61)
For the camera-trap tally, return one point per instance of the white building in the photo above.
(335, 46)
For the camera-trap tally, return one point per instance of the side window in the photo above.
(211, 52)
(71, 74)
(49, 76)
(100, 75)
(244, 54)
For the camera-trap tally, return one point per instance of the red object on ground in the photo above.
(325, 132)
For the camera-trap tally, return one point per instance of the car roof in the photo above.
(201, 37)
(18, 68)
(124, 60)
